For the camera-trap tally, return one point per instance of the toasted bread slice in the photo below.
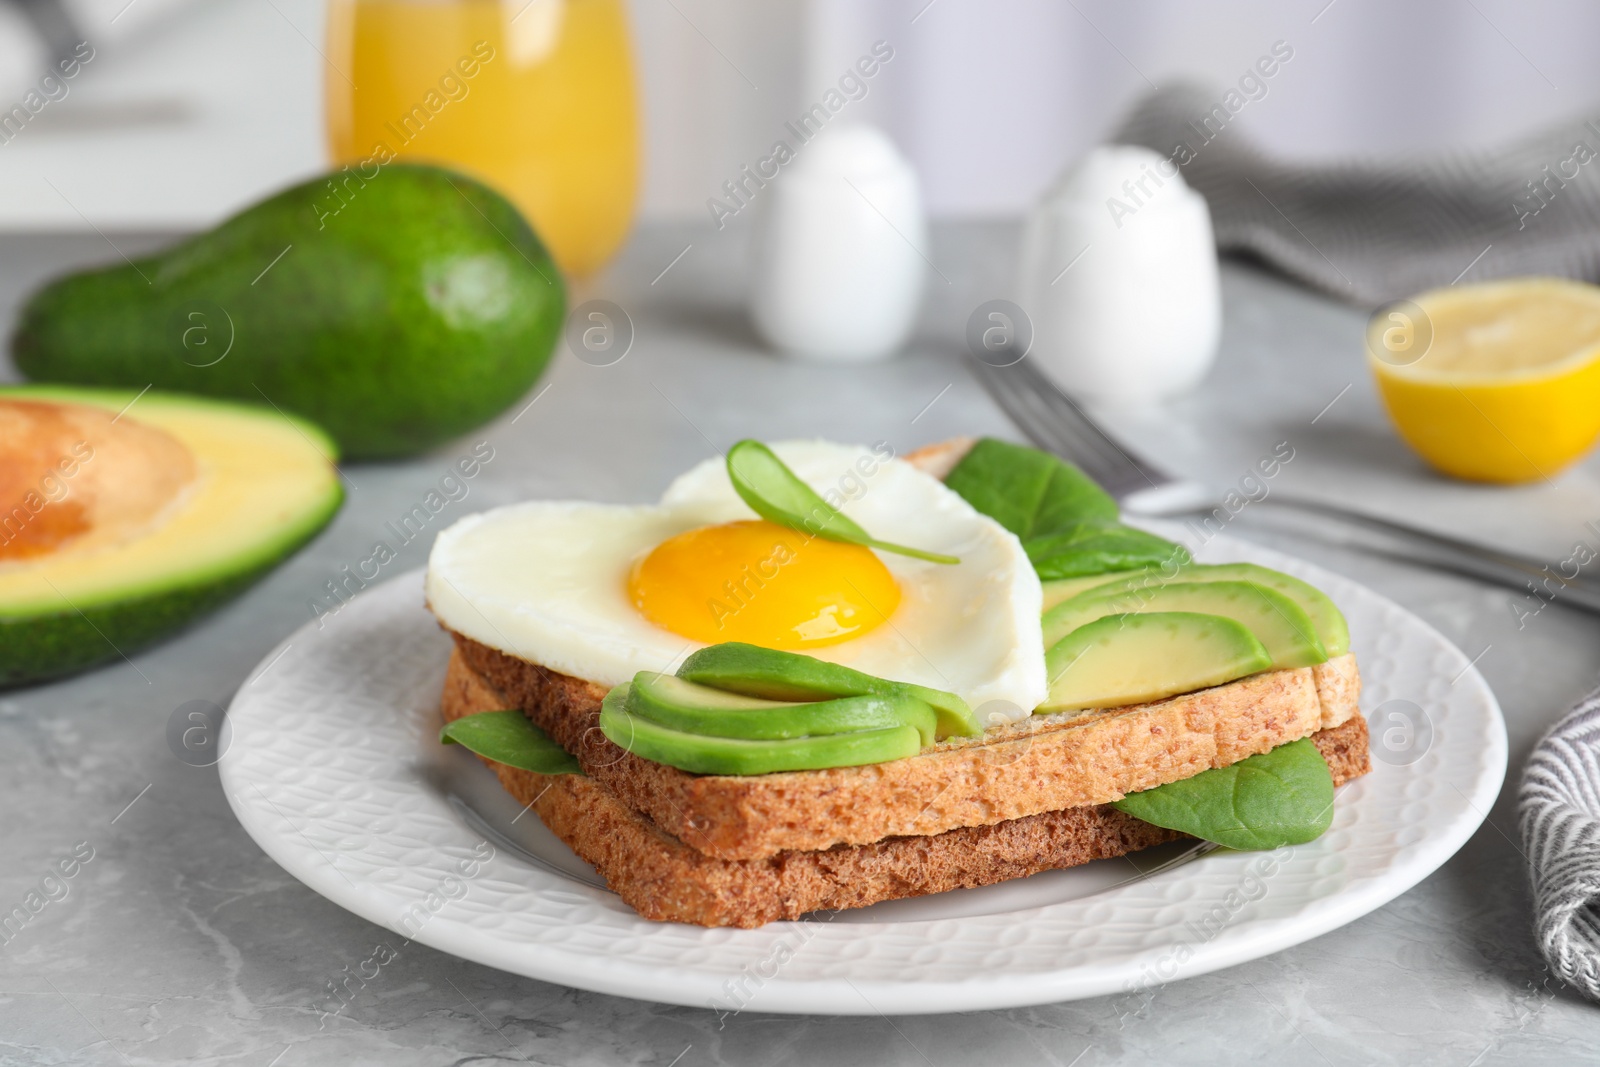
(1046, 763)
(662, 878)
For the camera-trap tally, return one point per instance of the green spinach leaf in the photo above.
(1027, 491)
(1098, 547)
(1282, 797)
(508, 737)
(1067, 523)
(777, 494)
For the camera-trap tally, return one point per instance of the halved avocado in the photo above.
(123, 517)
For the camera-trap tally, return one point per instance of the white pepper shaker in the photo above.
(1119, 277)
(837, 249)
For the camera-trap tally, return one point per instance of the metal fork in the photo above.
(1054, 422)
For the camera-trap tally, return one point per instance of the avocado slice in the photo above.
(700, 754)
(1131, 659)
(699, 709)
(397, 311)
(1329, 621)
(1059, 589)
(773, 675)
(1281, 625)
(123, 516)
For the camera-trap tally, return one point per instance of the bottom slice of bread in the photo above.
(662, 878)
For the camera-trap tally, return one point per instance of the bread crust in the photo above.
(1045, 763)
(665, 879)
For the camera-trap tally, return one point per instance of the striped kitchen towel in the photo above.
(1560, 814)
(1371, 231)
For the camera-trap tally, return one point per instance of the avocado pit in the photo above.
(77, 477)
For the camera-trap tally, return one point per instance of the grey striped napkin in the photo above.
(1372, 232)
(1560, 813)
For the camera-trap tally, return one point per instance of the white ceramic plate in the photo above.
(335, 770)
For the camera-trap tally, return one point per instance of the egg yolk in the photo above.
(764, 584)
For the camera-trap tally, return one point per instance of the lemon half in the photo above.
(1497, 382)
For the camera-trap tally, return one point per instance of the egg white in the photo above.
(547, 581)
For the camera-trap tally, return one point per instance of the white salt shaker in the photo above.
(1119, 277)
(837, 249)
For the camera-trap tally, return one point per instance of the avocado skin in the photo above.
(42, 647)
(37, 648)
(420, 310)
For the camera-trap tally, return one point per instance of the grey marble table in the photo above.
(180, 941)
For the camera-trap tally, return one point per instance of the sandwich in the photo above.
(819, 676)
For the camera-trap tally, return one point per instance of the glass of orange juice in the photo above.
(534, 97)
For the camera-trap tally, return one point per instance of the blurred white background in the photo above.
(193, 108)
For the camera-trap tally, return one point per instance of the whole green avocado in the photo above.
(396, 311)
